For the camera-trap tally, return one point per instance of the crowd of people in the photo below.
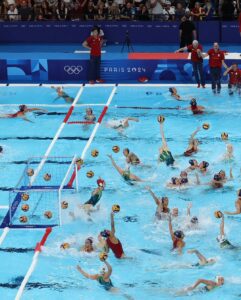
(74, 10)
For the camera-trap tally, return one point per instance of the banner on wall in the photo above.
(114, 71)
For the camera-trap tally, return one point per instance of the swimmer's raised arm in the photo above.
(222, 233)
(164, 143)
(238, 209)
(189, 206)
(194, 133)
(170, 228)
(115, 165)
(109, 270)
(153, 195)
(231, 173)
(112, 221)
(202, 258)
(203, 281)
(89, 276)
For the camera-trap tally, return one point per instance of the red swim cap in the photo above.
(101, 182)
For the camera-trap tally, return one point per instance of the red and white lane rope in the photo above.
(33, 264)
(70, 183)
(51, 145)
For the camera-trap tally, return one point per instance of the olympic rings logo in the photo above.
(73, 69)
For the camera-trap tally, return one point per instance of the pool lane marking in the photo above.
(51, 145)
(52, 105)
(3, 235)
(71, 181)
(33, 264)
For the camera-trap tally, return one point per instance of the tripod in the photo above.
(127, 42)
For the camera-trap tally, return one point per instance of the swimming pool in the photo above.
(156, 272)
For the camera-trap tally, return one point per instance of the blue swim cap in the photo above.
(179, 234)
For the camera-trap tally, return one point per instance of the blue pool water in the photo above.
(162, 273)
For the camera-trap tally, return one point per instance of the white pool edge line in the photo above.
(4, 206)
(33, 264)
(4, 234)
(93, 133)
(107, 85)
(57, 134)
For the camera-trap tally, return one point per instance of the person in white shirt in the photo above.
(12, 13)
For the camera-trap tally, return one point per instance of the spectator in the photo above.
(169, 11)
(53, 4)
(75, 12)
(94, 44)
(12, 13)
(114, 12)
(197, 12)
(25, 11)
(208, 8)
(61, 11)
(216, 60)
(156, 9)
(127, 11)
(90, 13)
(47, 11)
(180, 12)
(102, 12)
(143, 13)
(227, 10)
(187, 32)
(197, 61)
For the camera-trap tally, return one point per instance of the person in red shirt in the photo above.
(197, 61)
(111, 241)
(234, 78)
(216, 61)
(197, 12)
(94, 43)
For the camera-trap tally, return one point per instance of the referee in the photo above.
(94, 43)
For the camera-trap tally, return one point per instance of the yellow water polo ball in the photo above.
(48, 214)
(206, 126)
(25, 207)
(25, 196)
(65, 246)
(94, 153)
(79, 161)
(160, 119)
(103, 256)
(224, 136)
(30, 172)
(116, 208)
(64, 205)
(116, 149)
(218, 214)
(90, 174)
(23, 219)
(47, 177)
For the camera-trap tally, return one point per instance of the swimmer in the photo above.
(237, 206)
(177, 237)
(174, 183)
(61, 94)
(203, 166)
(223, 176)
(196, 109)
(110, 241)
(217, 181)
(131, 158)
(209, 284)
(174, 93)
(21, 113)
(183, 177)
(89, 115)
(221, 239)
(175, 212)
(1, 149)
(203, 261)
(165, 154)
(193, 165)
(125, 174)
(193, 144)
(121, 124)
(162, 205)
(88, 246)
(193, 221)
(103, 277)
(229, 153)
(89, 206)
